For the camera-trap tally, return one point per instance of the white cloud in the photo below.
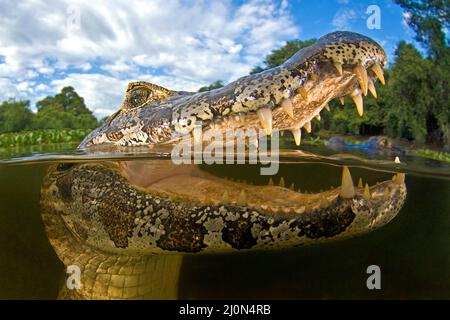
(343, 19)
(179, 44)
(102, 93)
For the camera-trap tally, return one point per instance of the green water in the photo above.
(412, 251)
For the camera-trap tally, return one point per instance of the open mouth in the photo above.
(287, 97)
(189, 184)
(155, 206)
(326, 81)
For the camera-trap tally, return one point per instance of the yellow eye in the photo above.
(137, 97)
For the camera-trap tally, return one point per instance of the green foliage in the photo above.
(257, 69)
(431, 154)
(15, 116)
(28, 138)
(64, 110)
(215, 85)
(428, 19)
(409, 95)
(280, 55)
(426, 79)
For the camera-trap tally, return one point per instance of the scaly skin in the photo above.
(125, 224)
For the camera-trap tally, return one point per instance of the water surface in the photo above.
(412, 251)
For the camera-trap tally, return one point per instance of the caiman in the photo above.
(126, 225)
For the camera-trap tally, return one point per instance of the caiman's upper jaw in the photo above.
(287, 97)
(338, 65)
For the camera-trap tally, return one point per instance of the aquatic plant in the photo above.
(46, 136)
(431, 154)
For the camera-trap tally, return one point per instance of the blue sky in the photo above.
(323, 16)
(99, 46)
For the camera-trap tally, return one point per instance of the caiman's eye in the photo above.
(138, 97)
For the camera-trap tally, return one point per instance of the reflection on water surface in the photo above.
(412, 250)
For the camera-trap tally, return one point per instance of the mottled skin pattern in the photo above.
(311, 70)
(127, 235)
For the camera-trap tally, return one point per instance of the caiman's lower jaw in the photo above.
(156, 207)
(326, 81)
(189, 185)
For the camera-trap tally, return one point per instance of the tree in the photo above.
(280, 55)
(428, 19)
(64, 110)
(407, 102)
(15, 116)
(215, 85)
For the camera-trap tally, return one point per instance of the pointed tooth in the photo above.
(282, 133)
(372, 89)
(313, 76)
(338, 67)
(347, 188)
(297, 133)
(342, 100)
(265, 116)
(264, 206)
(327, 107)
(358, 100)
(270, 182)
(366, 194)
(361, 74)
(242, 197)
(300, 209)
(274, 208)
(302, 91)
(324, 203)
(286, 209)
(292, 187)
(307, 126)
(286, 104)
(397, 160)
(360, 183)
(399, 178)
(376, 68)
(318, 117)
(225, 197)
(281, 183)
(197, 135)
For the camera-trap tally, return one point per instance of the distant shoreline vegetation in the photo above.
(61, 118)
(413, 105)
(42, 137)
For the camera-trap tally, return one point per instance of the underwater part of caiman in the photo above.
(126, 223)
